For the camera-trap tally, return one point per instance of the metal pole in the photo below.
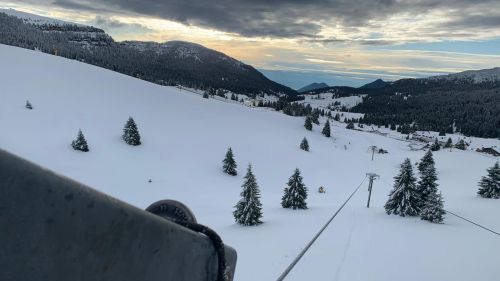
(370, 192)
(372, 176)
(373, 147)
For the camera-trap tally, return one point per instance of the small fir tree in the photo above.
(229, 166)
(427, 185)
(308, 123)
(350, 126)
(249, 209)
(489, 186)
(205, 95)
(337, 117)
(433, 209)
(404, 199)
(460, 145)
(80, 143)
(304, 145)
(315, 117)
(326, 129)
(295, 194)
(448, 143)
(131, 133)
(28, 105)
(435, 146)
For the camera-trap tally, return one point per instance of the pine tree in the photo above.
(350, 126)
(296, 193)
(249, 209)
(460, 145)
(230, 166)
(427, 186)
(489, 186)
(131, 133)
(304, 145)
(80, 143)
(205, 95)
(435, 146)
(337, 117)
(448, 143)
(326, 129)
(433, 209)
(315, 117)
(308, 123)
(404, 198)
(28, 105)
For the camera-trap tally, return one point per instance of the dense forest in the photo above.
(471, 112)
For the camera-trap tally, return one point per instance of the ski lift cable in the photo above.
(476, 224)
(301, 254)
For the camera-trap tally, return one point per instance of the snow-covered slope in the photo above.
(185, 138)
(476, 76)
(32, 18)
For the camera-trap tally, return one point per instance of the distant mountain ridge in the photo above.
(475, 76)
(170, 63)
(377, 84)
(312, 86)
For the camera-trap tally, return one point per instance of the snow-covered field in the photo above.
(185, 138)
(324, 99)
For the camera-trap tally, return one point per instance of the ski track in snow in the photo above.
(346, 248)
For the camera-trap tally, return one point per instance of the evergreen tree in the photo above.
(304, 145)
(489, 186)
(448, 143)
(427, 186)
(308, 123)
(350, 126)
(229, 166)
(460, 145)
(404, 199)
(296, 193)
(326, 129)
(337, 117)
(433, 209)
(28, 105)
(80, 143)
(249, 209)
(315, 117)
(131, 133)
(435, 146)
(205, 95)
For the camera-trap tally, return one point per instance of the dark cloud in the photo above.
(111, 24)
(286, 18)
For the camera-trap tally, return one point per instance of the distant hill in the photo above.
(467, 102)
(377, 84)
(312, 86)
(169, 63)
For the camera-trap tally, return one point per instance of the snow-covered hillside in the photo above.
(476, 76)
(32, 18)
(184, 139)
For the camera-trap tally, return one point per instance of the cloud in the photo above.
(311, 19)
(324, 61)
(114, 25)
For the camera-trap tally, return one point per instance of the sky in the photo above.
(297, 42)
